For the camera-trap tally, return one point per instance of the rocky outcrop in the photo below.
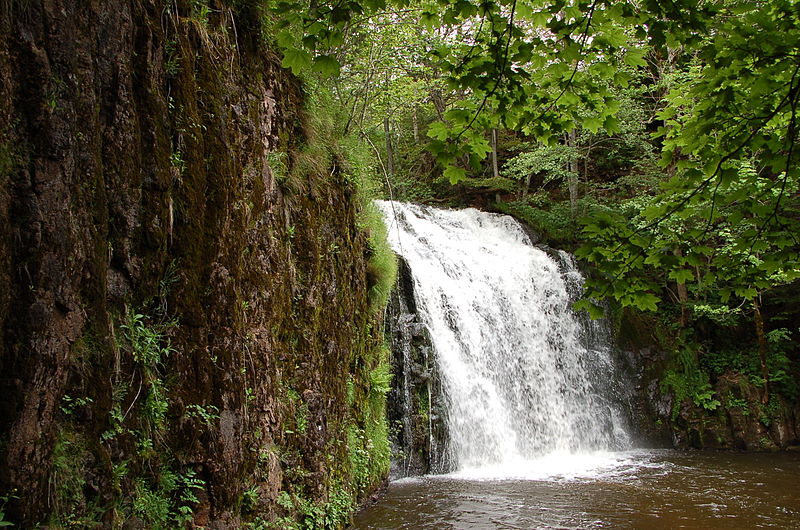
(741, 421)
(183, 298)
(416, 404)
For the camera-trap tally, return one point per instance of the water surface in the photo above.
(633, 489)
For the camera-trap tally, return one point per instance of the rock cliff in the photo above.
(184, 315)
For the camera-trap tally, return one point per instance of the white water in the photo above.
(525, 387)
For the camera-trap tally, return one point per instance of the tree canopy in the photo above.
(722, 76)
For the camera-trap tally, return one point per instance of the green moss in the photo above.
(382, 261)
(67, 478)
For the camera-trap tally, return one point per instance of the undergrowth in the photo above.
(359, 451)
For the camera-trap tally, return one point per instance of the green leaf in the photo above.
(439, 131)
(748, 293)
(455, 174)
(635, 57)
(429, 20)
(592, 123)
(611, 124)
(595, 311)
(646, 301)
(295, 59)
(479, 146)
(458, 115)
(681, 276)
(285, 39)
(327, 65)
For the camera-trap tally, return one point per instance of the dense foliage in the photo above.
(656, 138)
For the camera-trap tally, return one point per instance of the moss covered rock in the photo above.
(183, 280)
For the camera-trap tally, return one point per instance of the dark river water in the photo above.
(636, 489)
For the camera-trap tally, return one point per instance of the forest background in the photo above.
(657, 140)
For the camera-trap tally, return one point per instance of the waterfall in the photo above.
(522, 376)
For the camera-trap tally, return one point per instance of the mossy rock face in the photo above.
(416, 412)
(741, 422)
(142, 135)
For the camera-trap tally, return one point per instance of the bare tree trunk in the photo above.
(495, 172)
(683, 294)
(762, 347)
(572, 182)
(438, 103)
(389, 152)
(416, 126)
(527, 186)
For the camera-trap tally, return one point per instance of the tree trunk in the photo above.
(416, 126)
(389, 152)
(438, 103)
(572, 179)
(762, 347)
(683, 294)
(495, 172)
(527, 185)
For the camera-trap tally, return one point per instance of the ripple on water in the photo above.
(636, 489)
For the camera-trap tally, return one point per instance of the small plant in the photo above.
(380, 379)
(689, 382)
(156, 404)
(70, 404)
(168, 503)
(284, 500)
(207, 415)
(148, 343)
(772, 411)
(250, 497)
(201, 12)
(301, 419)
(116, 418)
(704, 397)
(172, 65)
(118, 472)
(732, 402)
(5, 499)
(67, 481)
(177, 161)
(277, 163)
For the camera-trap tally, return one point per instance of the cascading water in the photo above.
(522, 376)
